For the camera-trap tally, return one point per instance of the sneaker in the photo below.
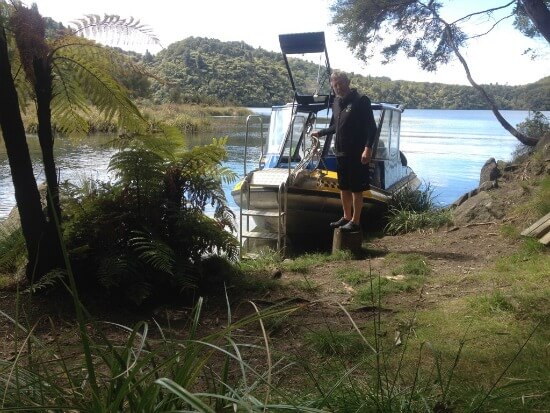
(342, 221)
(350, 227)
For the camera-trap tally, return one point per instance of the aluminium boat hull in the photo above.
(310, 205)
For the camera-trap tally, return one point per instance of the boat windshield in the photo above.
(388, 143)
(286, 133)
(279, 125)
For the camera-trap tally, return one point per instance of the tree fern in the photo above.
(95, 25)
(115, 271)
(154, 252)
(51, 279)
(83, 77)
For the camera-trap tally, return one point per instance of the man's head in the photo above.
(340, 83)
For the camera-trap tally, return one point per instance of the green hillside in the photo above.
(206, 70)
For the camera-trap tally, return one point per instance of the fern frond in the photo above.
(207, 237)
(83, 76)
(138, 167)
(114, 271)
(93, 25)
(49, 280)
(154, 252)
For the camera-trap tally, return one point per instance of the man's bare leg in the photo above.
(357, 207)
(347, 203)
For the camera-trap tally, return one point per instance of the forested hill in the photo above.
(209, 70)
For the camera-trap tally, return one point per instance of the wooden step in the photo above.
(540, 230)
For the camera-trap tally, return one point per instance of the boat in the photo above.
(292, 194)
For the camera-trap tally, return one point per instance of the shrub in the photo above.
(145, 234)
(413, 209)
(536, 125)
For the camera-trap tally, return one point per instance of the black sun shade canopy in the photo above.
(298, 43)
(309, 43)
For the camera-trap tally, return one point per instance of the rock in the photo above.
(489, 171)
(543, 145)
(488, 185)
(479, 208)
(11, 223)
(464, 197)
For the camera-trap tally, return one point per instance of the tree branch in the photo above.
(483, 12)
(526, 140)
(492, 27)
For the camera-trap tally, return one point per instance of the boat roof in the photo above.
(307, 43)
(299, 43)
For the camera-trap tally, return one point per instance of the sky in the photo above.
(495, 58)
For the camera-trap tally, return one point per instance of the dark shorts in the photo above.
(352, 174)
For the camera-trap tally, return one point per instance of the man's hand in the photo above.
(315, 134)
(366, 156)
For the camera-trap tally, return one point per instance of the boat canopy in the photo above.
(311, 95)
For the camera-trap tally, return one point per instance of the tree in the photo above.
(423, 34)
(63, 76)
(27, 196)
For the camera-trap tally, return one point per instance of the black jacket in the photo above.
(353, 122)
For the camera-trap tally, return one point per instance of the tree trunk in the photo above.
(539, 15)
(43, 91)
(526, 140)
(32, 219)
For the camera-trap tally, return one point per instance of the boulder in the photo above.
(489, 171)
(478, 208)
(488, 185)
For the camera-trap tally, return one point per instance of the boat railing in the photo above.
(249, 120)
(311, 153)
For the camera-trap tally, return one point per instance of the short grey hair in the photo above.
(337, 75)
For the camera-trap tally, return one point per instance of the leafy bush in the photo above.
(12, 250)
(415, 200)
(145, 234)
(413, 209)
(536, 125)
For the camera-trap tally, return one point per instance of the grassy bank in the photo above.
(187, 118)
(439, 319)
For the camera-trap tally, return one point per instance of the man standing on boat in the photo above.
(353, 122)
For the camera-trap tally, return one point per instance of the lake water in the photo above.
(446, 149)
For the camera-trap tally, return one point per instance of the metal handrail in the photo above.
(248, 119)
(308, 156)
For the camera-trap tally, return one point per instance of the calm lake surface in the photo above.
(446, 149)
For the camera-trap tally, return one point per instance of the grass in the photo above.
(409, 264)
(306, 285)
(415, 209)
(326, 342)
(352, 276)
(481, 345)
(538, 202)
(465, 353)
(188, 118)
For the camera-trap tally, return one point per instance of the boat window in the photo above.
(297, 149)
(394, 141)
(280, 121)
(384, 140)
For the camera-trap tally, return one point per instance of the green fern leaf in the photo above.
(154, 252)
